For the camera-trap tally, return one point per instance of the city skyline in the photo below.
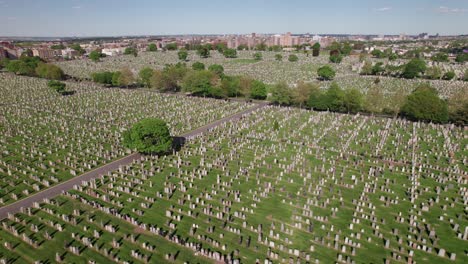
(85, 18)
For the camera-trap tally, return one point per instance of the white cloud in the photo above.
(447, 10)
(383, 9)
(76, 7)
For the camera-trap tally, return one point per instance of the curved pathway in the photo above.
(93, 174)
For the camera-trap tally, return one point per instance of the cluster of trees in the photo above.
(131, 51)
(310, 95)
(387, 53)
(198, 81)
(122, 78)
(96, 55)
(415, 68)
(423, 104)
(152, 47)
(33, 66)
(78, 48)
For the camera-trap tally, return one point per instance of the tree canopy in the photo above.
(258, 90)
(414, 68)
(49, 71)
(57, 86)
(182, 54)
(281, 94)
(230, 53)
(149, 136)
(424, 104)
(293, 58)
(152, 47)
(203, 51)
(326, 73)
(198, 66)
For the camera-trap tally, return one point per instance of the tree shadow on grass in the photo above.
(178, 143)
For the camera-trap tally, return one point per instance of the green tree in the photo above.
(171, 46)
(230, 53)
(302, 93)
(242, 47)
(182, 54)
(131, 51)
(433, 73)
(24, 66)
(440, 57)
(346, 49)
(49, 71)
(58, 86)
(458, 108)
(275, 48)
(353, 100)
(115, 78)
(414, 68)
(203, 51)
(374, 100)
(462, 57)
(326, 73)
(377, 69)
(216, 69)
(145, 75)
(200, 83)
(336, 58)
(281, 94)
(198, 66)
(58, 47)
(230, 86)
(170, 78)
(221, 47)
(293, 58)
(334, 98)
(78, 48)
(149, 136)
(449, 75)
(278, 57)
(261, 47)
(152, 47)
(258, 90)
(366, 68)
(317, 100)
(102, 77)
(424, 104)
(123, 78)
(393, 57)
(95, 55)
(258, 56)
(378, 53)
(316, 49)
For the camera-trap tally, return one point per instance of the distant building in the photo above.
(3, 53)
(69, 53)
(113, 51)
(44, 53)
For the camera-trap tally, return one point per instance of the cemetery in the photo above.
(280, 185)
(47, 138)
(271, 71)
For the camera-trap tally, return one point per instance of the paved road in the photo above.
(93, 174)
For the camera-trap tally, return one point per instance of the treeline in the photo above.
(34, 67)
(415, 68)
(198, 81)
(423, 104)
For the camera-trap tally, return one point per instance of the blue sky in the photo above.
(153, 17)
